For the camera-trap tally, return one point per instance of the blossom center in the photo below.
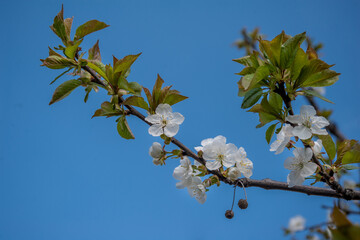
(221, 157)
(164, 122)
(307, 122)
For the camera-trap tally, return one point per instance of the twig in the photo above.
(266, 183)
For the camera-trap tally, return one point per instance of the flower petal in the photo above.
(308, 169)
(290, 163)
(302, 132)
(154, 119)
(171, 129)
(177, 118)
(163, 109)
(320, 122)
(213, 165)
(155, 130)
(294, 179)
(307, 111)
(294, 119)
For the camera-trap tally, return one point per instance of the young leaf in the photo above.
(124, 129)
(94, 52)
(71, 50)
(58, 27)
(64, 90)
(261, 73)
(60, 76)
(137, 102)
(313, 93)
(342, 149)
(329, 145)
(272, 48)
(275, 101)
(173, 98)
(270, 132)
(353, 155)
(251, 97)
(56, 62)
(289, 50)
(89, 27)
(123, 65)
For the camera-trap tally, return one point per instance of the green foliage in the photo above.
(329, 145)
(270, 132)
(345, 229)
(313, 93)
(89, 27)
(251, 97)
(349, 148)
(137, 102)
(64, 90)
(289, 49)
(162, 95)
(108, 110)
(124, 129)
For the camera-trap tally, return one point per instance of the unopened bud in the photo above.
(243, 204)
(229, 214)
(122, 92)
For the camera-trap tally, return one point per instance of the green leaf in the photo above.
(251, 97)
(157, 90)
(339, 218)
(270, 132)
(94, 52)
(58, 27)
(89, 27)
(301, 59)
(68, 23)
(246, 71)
(135, 88)
(289, 50)
(322, 79)
(64, 90)
(244, 61)
(56, 62)
(137, 102)
(275, 101)
(261, 73)
(149, 98)
(98, 67)
(107, 110)
(349, 167)
(353, 155)
(313, 67)
(342, 148)
(313, 93)
(245, 81)
(124, 129)
(123, 65)
(71, 50)
(329, 145)
(272, 48)
(60, 76)
(173, 98)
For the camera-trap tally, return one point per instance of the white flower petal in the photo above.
(171, 129)
(198, 149)
(307, 111)
(229, 161)
(295, 179)
(302, 132)
(213, 165)
(231, 149)
(294, 119)
(317, 147)
(308, 169)
(289, 163)
(155, 130)
(318, 131)
(163, 109)
(220, 139)
(154, 119)
(155, 150)
(320, 122)
(177, 118)
(307, 154)
(207, 141)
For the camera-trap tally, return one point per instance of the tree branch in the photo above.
(266, 183)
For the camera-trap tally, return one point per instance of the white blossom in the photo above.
(350, 184)
(197, 190)
(164, 121)
(206, 142)
(156, 152)
(242, 165)
(308, 123)
(300, 166)
(184, 173)
(218, 153)
(317, 147)
(296, 224)
(282, 139)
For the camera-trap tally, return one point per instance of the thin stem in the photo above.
(244, 189)
(232, 206)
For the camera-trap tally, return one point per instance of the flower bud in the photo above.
(243, 204)
(122, 92)
(229, 214)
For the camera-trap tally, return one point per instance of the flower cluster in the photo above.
(302, 126)
(296, 224)
(217, 153)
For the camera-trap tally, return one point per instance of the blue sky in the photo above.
(66, 176)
